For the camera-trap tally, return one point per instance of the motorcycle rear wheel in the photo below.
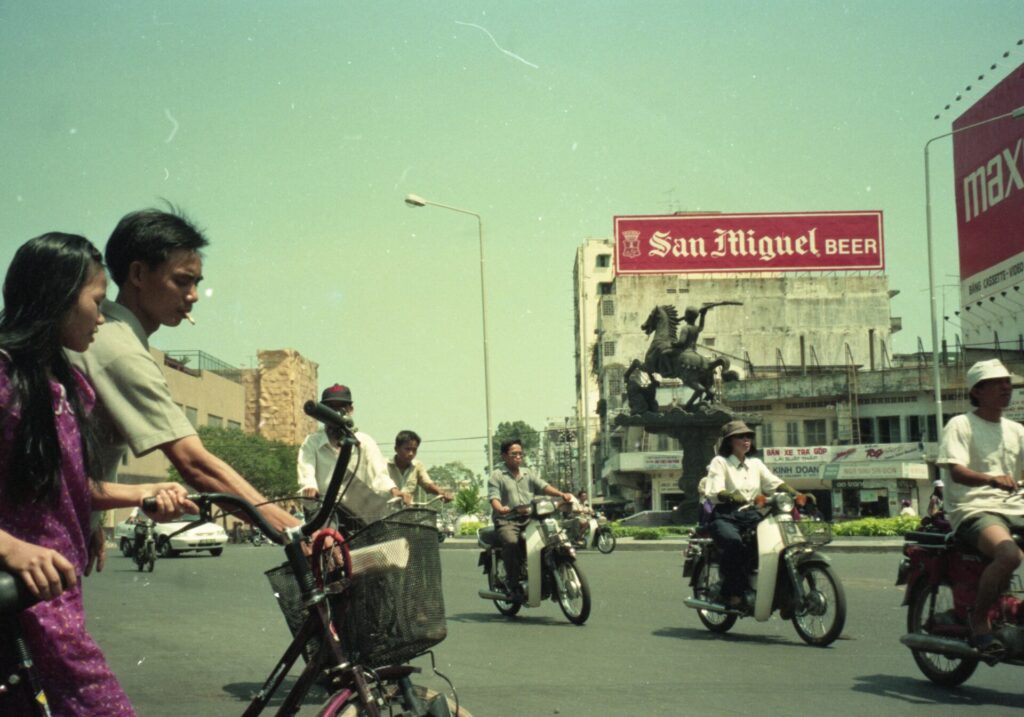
(391, 699)
(574, 592)
(606, 541)
(498, 582)
(823, 620)
(926, 602)
(707, 575)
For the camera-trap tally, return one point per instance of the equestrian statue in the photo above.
(673, 350)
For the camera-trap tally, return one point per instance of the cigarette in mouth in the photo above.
(190, 319)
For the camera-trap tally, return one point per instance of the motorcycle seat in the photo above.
(488, 536)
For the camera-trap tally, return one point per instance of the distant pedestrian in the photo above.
(907, 509)
(935, 504)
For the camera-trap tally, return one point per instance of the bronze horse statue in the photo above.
(672, 356)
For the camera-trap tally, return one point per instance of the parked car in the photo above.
(208, 536)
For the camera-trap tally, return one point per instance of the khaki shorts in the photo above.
(970, 530)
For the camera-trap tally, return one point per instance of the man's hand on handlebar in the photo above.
(171, 502)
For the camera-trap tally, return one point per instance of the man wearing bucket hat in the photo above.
(368, 487)
(984, 456)
(737, 481)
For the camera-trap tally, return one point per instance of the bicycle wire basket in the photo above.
(816, 532)
(385, 617)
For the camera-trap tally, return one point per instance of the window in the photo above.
(867, 430)
(814, 432)
(192, 414)
(921, 428)
(605, 288)
(604, 261)
(234, 425)
(765, 433)
(792, 433)
(214, 421)
(889, 429)
(608, 307)
(608, 349)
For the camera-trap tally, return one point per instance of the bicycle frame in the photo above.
(330, 660)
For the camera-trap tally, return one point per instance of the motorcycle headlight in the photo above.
(545, 507)
(783, 502)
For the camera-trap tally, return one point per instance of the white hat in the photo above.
(984, 371)
(938, 483)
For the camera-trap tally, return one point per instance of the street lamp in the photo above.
(414, 200)
(1015, 114)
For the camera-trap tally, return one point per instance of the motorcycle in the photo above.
(144, 550)
(445, 524)
(590, 530)
(547, 559)
(256, 537)
(942, 577)
(788, 575)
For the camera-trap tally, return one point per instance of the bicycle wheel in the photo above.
(390, 698)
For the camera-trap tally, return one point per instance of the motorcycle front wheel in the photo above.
(707, 576)
(606, 541)
(150, 558)
(824, 614)
(927, 602)
(573, 592)
(498, 582)
(391, 699)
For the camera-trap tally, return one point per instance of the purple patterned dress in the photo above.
(71, 666)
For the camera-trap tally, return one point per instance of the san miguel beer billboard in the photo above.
(826, 241)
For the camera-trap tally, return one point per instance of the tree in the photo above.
(468, 500)
(451, 475)
(268, 465)
(516, 429)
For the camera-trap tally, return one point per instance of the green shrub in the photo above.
(629, 531)
(877, 526)
(648, 533)
(470, 527)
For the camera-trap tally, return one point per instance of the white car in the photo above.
(208, 536)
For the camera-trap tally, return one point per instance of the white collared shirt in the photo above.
(751, 478)
(367, 486)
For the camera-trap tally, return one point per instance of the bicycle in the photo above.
(356, 645)
(21, 692)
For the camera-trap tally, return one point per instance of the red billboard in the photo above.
(823, 241)
(988, 163)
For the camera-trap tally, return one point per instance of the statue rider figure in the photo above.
(688, 333)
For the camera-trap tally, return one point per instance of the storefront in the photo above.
(856, 481)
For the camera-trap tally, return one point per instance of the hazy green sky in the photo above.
(291, 131)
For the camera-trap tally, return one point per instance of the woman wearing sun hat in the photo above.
(737, 481)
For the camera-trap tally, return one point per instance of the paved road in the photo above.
(198, 635)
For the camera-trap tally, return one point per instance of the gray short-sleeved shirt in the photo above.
(134, 408)
(514, 492)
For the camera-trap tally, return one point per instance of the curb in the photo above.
(841, 545)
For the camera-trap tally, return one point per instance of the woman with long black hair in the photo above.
(48, 455)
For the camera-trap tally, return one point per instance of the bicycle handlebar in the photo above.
(321, 413)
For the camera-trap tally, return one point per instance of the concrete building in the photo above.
(841, 415)
(266, 400)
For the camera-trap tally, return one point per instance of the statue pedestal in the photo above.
(697, 433)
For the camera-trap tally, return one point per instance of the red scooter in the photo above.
(942, 576)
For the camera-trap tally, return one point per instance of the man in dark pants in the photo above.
(513, 485)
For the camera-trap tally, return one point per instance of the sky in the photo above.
(292, 131)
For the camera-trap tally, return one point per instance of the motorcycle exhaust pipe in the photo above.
(941, 645)
(492, 595)
(703, 605)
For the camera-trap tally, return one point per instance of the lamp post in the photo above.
(936, 377)
(414, 200)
